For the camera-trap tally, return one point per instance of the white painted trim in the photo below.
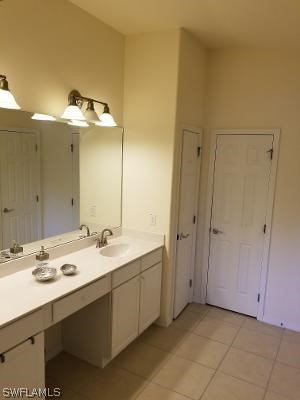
(197, 131)
(278, 322)
(269, 214)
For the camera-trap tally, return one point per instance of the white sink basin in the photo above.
(116, 250)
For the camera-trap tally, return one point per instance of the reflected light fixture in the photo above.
(43, 117)
(73, 110)
(106, 119)
(81, 124)
(90, 113)
(7, 100)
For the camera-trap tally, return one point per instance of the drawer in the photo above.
(151, 259)
(125, 273)
(20, 330)
(75, 301)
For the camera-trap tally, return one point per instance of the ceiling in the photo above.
(217, 23)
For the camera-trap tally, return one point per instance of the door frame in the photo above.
(4, 128)
(269, 211)
(197, 131)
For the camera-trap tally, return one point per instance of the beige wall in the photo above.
(164, 89)
(50, 47)
(261, 89)
(191, 81)
(151, 71)
(190, 113)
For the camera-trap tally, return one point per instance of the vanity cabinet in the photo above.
(125, 314)
(136, 303)
(150, 296)
(111, 323)
(23, 366)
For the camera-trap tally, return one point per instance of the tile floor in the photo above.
(207, 354)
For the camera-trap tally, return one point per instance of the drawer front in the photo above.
(20, 330)
(75, 301)
(125, 273)
(151, 259)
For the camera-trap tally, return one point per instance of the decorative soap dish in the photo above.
(43, 274)
(68, 269)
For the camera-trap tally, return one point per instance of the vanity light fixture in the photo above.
(90, 113)
(76, 101)
(7, 100)
(72, 110)
(81, 124)
(43, 117)
(106, 119)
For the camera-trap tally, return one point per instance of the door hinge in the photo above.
(198, 151)
(37, 198)
(271, 151)
(36, 147)
(72, 202)
(265, 228)
(194, 219)
(258, 297)
(191, 282)
(72, 148)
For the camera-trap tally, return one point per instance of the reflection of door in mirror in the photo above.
(20, 176)
(59, 179)
(39, 178)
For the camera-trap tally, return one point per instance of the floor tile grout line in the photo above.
(253, 353)
(273, 366)
(149, 379)
(217, 369)
(171, 390)
(231, 345)
(215, 340)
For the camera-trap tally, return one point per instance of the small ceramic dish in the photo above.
(68, 269)
(43, 274)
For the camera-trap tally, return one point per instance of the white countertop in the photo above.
(21, 294)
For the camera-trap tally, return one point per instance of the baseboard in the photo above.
(292, 325)
(199, 300)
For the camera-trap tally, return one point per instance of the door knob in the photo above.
(184, 236)
(8, 210)
(216, 231)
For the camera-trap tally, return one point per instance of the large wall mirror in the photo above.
(55, 177)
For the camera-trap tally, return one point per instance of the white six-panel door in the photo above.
(240, 194)
(186, 240)
(19, 187)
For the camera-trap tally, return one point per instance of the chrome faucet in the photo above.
(87, 229)
(102, 240)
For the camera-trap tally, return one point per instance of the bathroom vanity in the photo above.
(112, 299)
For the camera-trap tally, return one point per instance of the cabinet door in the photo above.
(23, 366)
(125, 314)
(150, 296)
